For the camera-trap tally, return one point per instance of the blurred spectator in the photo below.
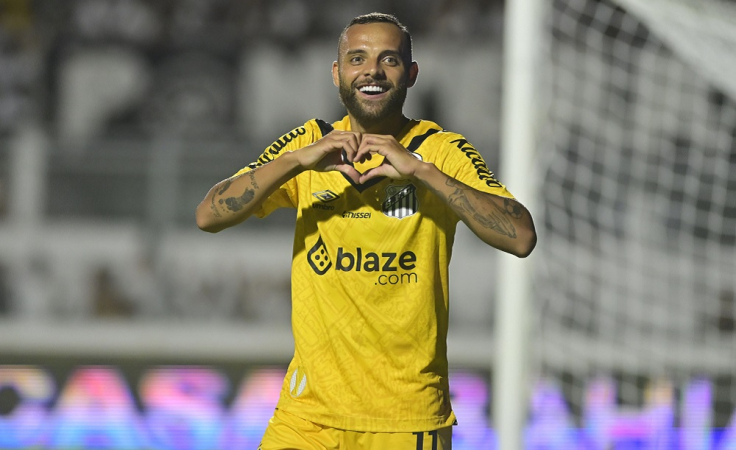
(201, 294)
(95, 85)
(19, 63)
(15, 15)
(191, 94)
(131, 21)
(171, 65)
(289, 22)
(18, 72)
(108, 300)
(140, 284)
(36, 288)
(248, 17)
(194, 19)
(466, 19)
(266, 298)
(137, 68)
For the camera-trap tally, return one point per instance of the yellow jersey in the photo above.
(370, 285)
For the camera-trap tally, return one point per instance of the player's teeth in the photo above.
(371, 89)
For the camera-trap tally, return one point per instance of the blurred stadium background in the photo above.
(124, 327)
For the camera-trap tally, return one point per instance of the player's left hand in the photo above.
(398, 163)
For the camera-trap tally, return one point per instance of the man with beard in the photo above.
(378, 197)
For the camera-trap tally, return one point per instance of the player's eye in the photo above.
(391, 60)
(356, 60)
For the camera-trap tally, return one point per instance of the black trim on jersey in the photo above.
(325, 128)
(419, 140)
(364, 186)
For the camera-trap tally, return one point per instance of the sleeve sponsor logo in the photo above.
(273, 151)
(484, 173)
(401, 201)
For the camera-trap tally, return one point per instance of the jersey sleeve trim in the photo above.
(324, 127)
(417, 141)
(463, 162)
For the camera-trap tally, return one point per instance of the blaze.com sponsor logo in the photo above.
(390, 267)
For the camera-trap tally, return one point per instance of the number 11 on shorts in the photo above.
(420, 439)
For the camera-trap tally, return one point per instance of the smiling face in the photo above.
(373, 74)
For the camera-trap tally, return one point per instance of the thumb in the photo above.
(350, 172)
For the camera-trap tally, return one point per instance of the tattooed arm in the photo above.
(233, 200)
(500, 222)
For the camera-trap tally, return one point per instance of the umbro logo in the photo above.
(325, 196)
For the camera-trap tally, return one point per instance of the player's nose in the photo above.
(374, 69)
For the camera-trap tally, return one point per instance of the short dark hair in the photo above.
(377, 17)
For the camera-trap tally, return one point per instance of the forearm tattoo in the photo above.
(219, 191)
(483, 210)
(252, 176)
(234, 203)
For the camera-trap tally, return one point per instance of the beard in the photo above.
(370, 113)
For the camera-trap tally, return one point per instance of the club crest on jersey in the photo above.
(401, 201)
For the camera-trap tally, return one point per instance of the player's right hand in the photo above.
(326, 154)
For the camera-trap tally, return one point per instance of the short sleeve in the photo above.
(460, 160)
(286, 196)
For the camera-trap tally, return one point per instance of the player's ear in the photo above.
(413, 74)
(335, 74)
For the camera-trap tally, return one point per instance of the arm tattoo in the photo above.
(235, 203)
(224, 186)
(220, 190)
(252, 176)
(492, 216)
(213, 207)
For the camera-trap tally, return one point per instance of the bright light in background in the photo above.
(185, 407)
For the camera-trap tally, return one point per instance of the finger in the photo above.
(366, 150)
(339, 145)
(383, 170)
(350, 147)
(347, 144)
(350, 141)
(358, 137)
(350, 172)
(377, 139)
(376, 143)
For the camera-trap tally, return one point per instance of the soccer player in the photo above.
(378, 197)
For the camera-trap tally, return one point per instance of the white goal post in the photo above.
(619, 134)
(522, 35)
